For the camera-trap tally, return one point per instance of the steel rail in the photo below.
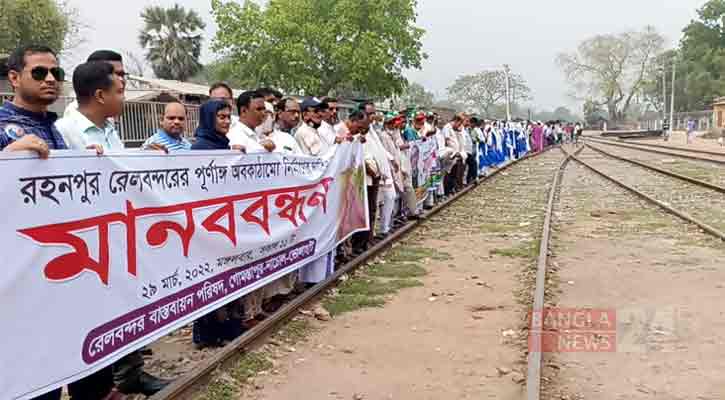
(667, 208)
(182, 388)
(533, 375)
(714, 153)
(685, 178)
(638, 147)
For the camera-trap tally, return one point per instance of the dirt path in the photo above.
(452, 333)
(663, 281)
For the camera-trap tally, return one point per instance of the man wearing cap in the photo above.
(311, 141)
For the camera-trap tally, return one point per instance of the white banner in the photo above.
(104, 255)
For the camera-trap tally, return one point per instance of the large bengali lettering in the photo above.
(75, 186)
(70, 265)
(123, 331)
(151, 180)
(115, 252)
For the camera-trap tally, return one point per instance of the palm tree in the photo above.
(172, 40)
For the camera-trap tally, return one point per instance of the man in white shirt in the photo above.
(287, 118)
(251, 108)
(328, 113)
(308, 136)
(455, 175)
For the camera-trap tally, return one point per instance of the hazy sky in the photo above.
(463, 36)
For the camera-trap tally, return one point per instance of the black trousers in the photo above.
(472, 168)
(361, 240)
(93, 387)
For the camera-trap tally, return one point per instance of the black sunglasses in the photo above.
(40, 73)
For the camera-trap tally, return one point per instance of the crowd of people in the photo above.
(466, 148)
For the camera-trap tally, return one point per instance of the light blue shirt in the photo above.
(171, 143)
(79, 132)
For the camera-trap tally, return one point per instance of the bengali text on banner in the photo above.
(104, 255)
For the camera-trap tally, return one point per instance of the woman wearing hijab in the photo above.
(215, 119)
(224, 324)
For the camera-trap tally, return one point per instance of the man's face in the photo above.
(326, 115)
(370, 112)
(333, 113)
(313, 116)
(36, 83)
(255, 114)
(456, 125)
(114, 97)
(119, 72)
(222, 94)
(174, 119)
(418, 124)
(290, 117)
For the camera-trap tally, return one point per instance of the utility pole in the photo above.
(664, 96)
(507, 72)
(672, 101)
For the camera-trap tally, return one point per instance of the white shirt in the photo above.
(310, 141)
(241, 134)
(327, 133)
(284, 142)
(79, 132)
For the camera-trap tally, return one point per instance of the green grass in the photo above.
(414, 254)
(295, 330)
(345, 303)
(369, 289)
(529, 250)
(249, 366)
(221, 389)
(396, 270)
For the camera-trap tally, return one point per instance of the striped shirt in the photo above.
(171, 143)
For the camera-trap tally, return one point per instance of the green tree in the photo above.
(611, 70)
(172, 39)
(415, 95)
(337, 47)
(49, 22)
(701, 65)
(482, 92)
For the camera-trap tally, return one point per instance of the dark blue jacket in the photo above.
(16, 121)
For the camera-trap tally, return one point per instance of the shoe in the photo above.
(415, 217)
(146, 384)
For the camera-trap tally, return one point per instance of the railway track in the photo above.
(595, 160)
(591, 157)
(693, 201)
(186, 386)
(698, 155)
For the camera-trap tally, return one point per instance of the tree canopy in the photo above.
(481, 92)
(337, 47)
(172, 38)
(611, 70)
(701, 59)
(48, 22)
(415, 95)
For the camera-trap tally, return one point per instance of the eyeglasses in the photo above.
(120, 74)
(39, 73)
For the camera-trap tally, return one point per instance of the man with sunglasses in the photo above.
(25, 122)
